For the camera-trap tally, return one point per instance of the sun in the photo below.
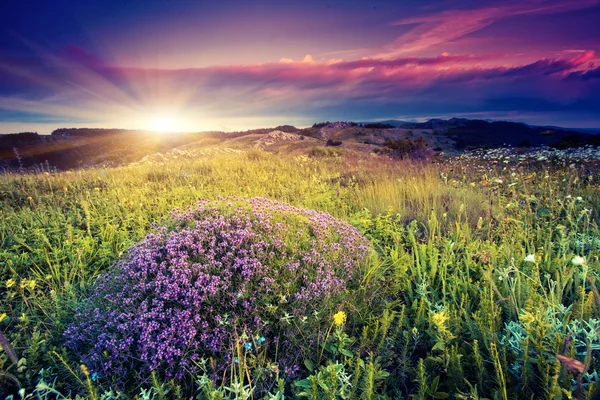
(165, 124)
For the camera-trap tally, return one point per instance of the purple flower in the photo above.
(213, 275)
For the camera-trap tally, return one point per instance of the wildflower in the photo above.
(579, 198)
(578, 260)
(95, 377)
(10, 283)
(439, 320)
(128, 326)
(526, 318)
(339, 318)
(571, 364)
(287, 318)
(28, 283)
(530, 258)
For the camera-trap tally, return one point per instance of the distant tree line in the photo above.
(265, 131)
(93, 132)
(345, 124)
(336, 124)
(577, 140)
(378, 125)
(15, 139)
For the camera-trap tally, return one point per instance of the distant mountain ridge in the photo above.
(402, 123)
(471, 133)
(69, 148)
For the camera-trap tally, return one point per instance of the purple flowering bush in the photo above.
(221, 277)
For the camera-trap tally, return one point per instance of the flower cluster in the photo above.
(220, 276)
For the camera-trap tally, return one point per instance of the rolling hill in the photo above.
(68, 148)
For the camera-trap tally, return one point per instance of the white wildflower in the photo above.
(578, 260)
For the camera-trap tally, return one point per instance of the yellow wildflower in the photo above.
(439, 319)
(339, 318)
(527, 318)
(28, 283)
(10, 283)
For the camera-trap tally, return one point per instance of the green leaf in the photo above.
(304, 383)
(441, 395)
(435, 384)
(384, 374)
(309, 365)
(346, 352)
(438, 346)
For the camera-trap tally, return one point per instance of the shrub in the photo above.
(319, 151)
(222, 278)
(402, 147)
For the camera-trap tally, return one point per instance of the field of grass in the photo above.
(481, 281)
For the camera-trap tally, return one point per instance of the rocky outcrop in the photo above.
(275, 138)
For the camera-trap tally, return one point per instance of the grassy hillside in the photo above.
(481, 281)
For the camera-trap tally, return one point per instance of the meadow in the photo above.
(473, 277)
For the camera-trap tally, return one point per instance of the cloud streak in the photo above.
(442, 27)
(92, 88)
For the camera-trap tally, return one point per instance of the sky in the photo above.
(196, 65)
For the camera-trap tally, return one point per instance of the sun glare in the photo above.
(165, 124)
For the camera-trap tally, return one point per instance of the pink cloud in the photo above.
(443, 59)
(442, 27)
(94, 87)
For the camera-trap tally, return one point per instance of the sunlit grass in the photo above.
(465, 312)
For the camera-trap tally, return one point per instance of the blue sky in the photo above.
(203, 65)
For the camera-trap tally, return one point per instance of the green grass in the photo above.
(466, 315)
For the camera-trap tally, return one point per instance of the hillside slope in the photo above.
(76, 148)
